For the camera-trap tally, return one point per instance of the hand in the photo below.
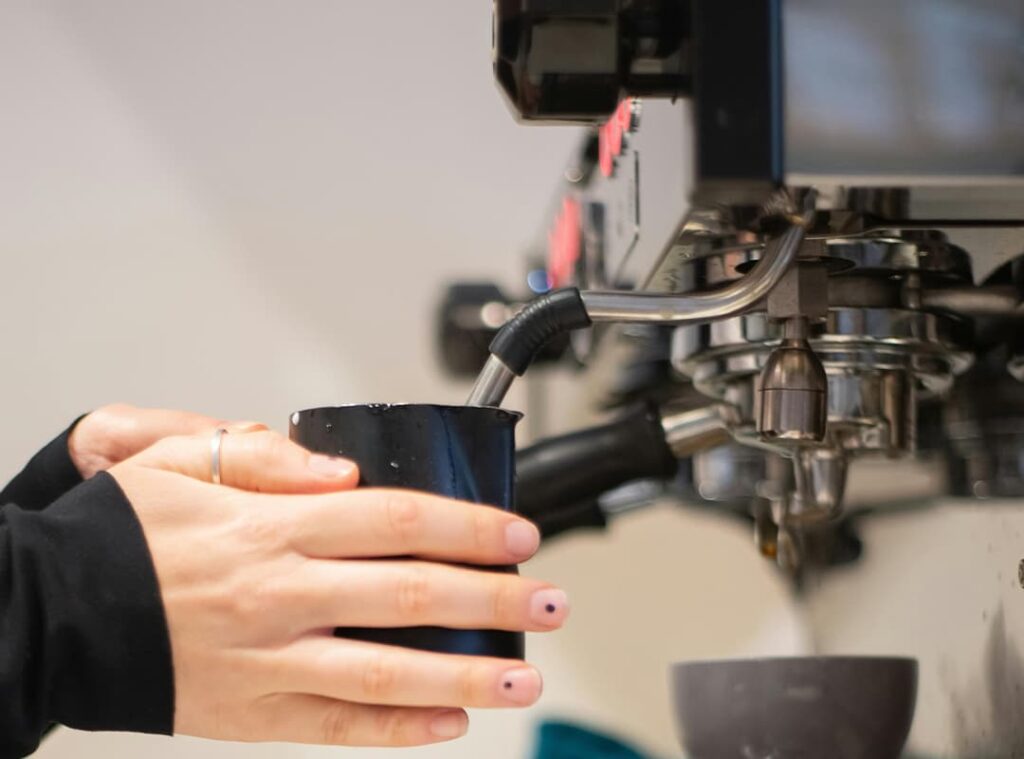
(114, 433)
(254, 584)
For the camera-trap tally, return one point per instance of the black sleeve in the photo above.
(83, 638)
(49, 475)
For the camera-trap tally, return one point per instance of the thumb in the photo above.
(260, 461)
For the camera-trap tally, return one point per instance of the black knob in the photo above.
(574, 60)
(464, 331)
(468, 318)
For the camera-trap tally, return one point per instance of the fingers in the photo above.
(413, 593)
(152, 425)
(374, 523)
(390, 675)
(135, 429)
(329, 722)
(262, 461)
(116, 432)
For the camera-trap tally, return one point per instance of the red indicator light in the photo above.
(611, 136)
(565, 244)
(625, 115)
(605, 159)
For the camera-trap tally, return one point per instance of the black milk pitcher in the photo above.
(464, 452)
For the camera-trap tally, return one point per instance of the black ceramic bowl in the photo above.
(807, 708)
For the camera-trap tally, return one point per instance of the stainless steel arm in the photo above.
(654, 308)
(496, 378)
(492, 385)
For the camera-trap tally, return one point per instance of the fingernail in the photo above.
(521, 686)
(522, 539)
(549, 607)
(449, 725)
(329, 466)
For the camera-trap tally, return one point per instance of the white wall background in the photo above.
(246, 208)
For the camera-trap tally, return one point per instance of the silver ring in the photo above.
(215, 446)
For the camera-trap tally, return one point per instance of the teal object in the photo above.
(564, 740)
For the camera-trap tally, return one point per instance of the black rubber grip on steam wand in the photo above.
(522, 338)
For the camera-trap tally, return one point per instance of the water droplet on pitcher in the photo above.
(329, 426)
(295, 419)
(394, 465)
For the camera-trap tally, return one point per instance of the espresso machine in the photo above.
(786, 267)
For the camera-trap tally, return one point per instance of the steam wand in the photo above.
(519, 341)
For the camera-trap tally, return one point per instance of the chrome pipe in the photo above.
(671, 309)
(492, 385)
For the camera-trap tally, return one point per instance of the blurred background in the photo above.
(249, 208)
